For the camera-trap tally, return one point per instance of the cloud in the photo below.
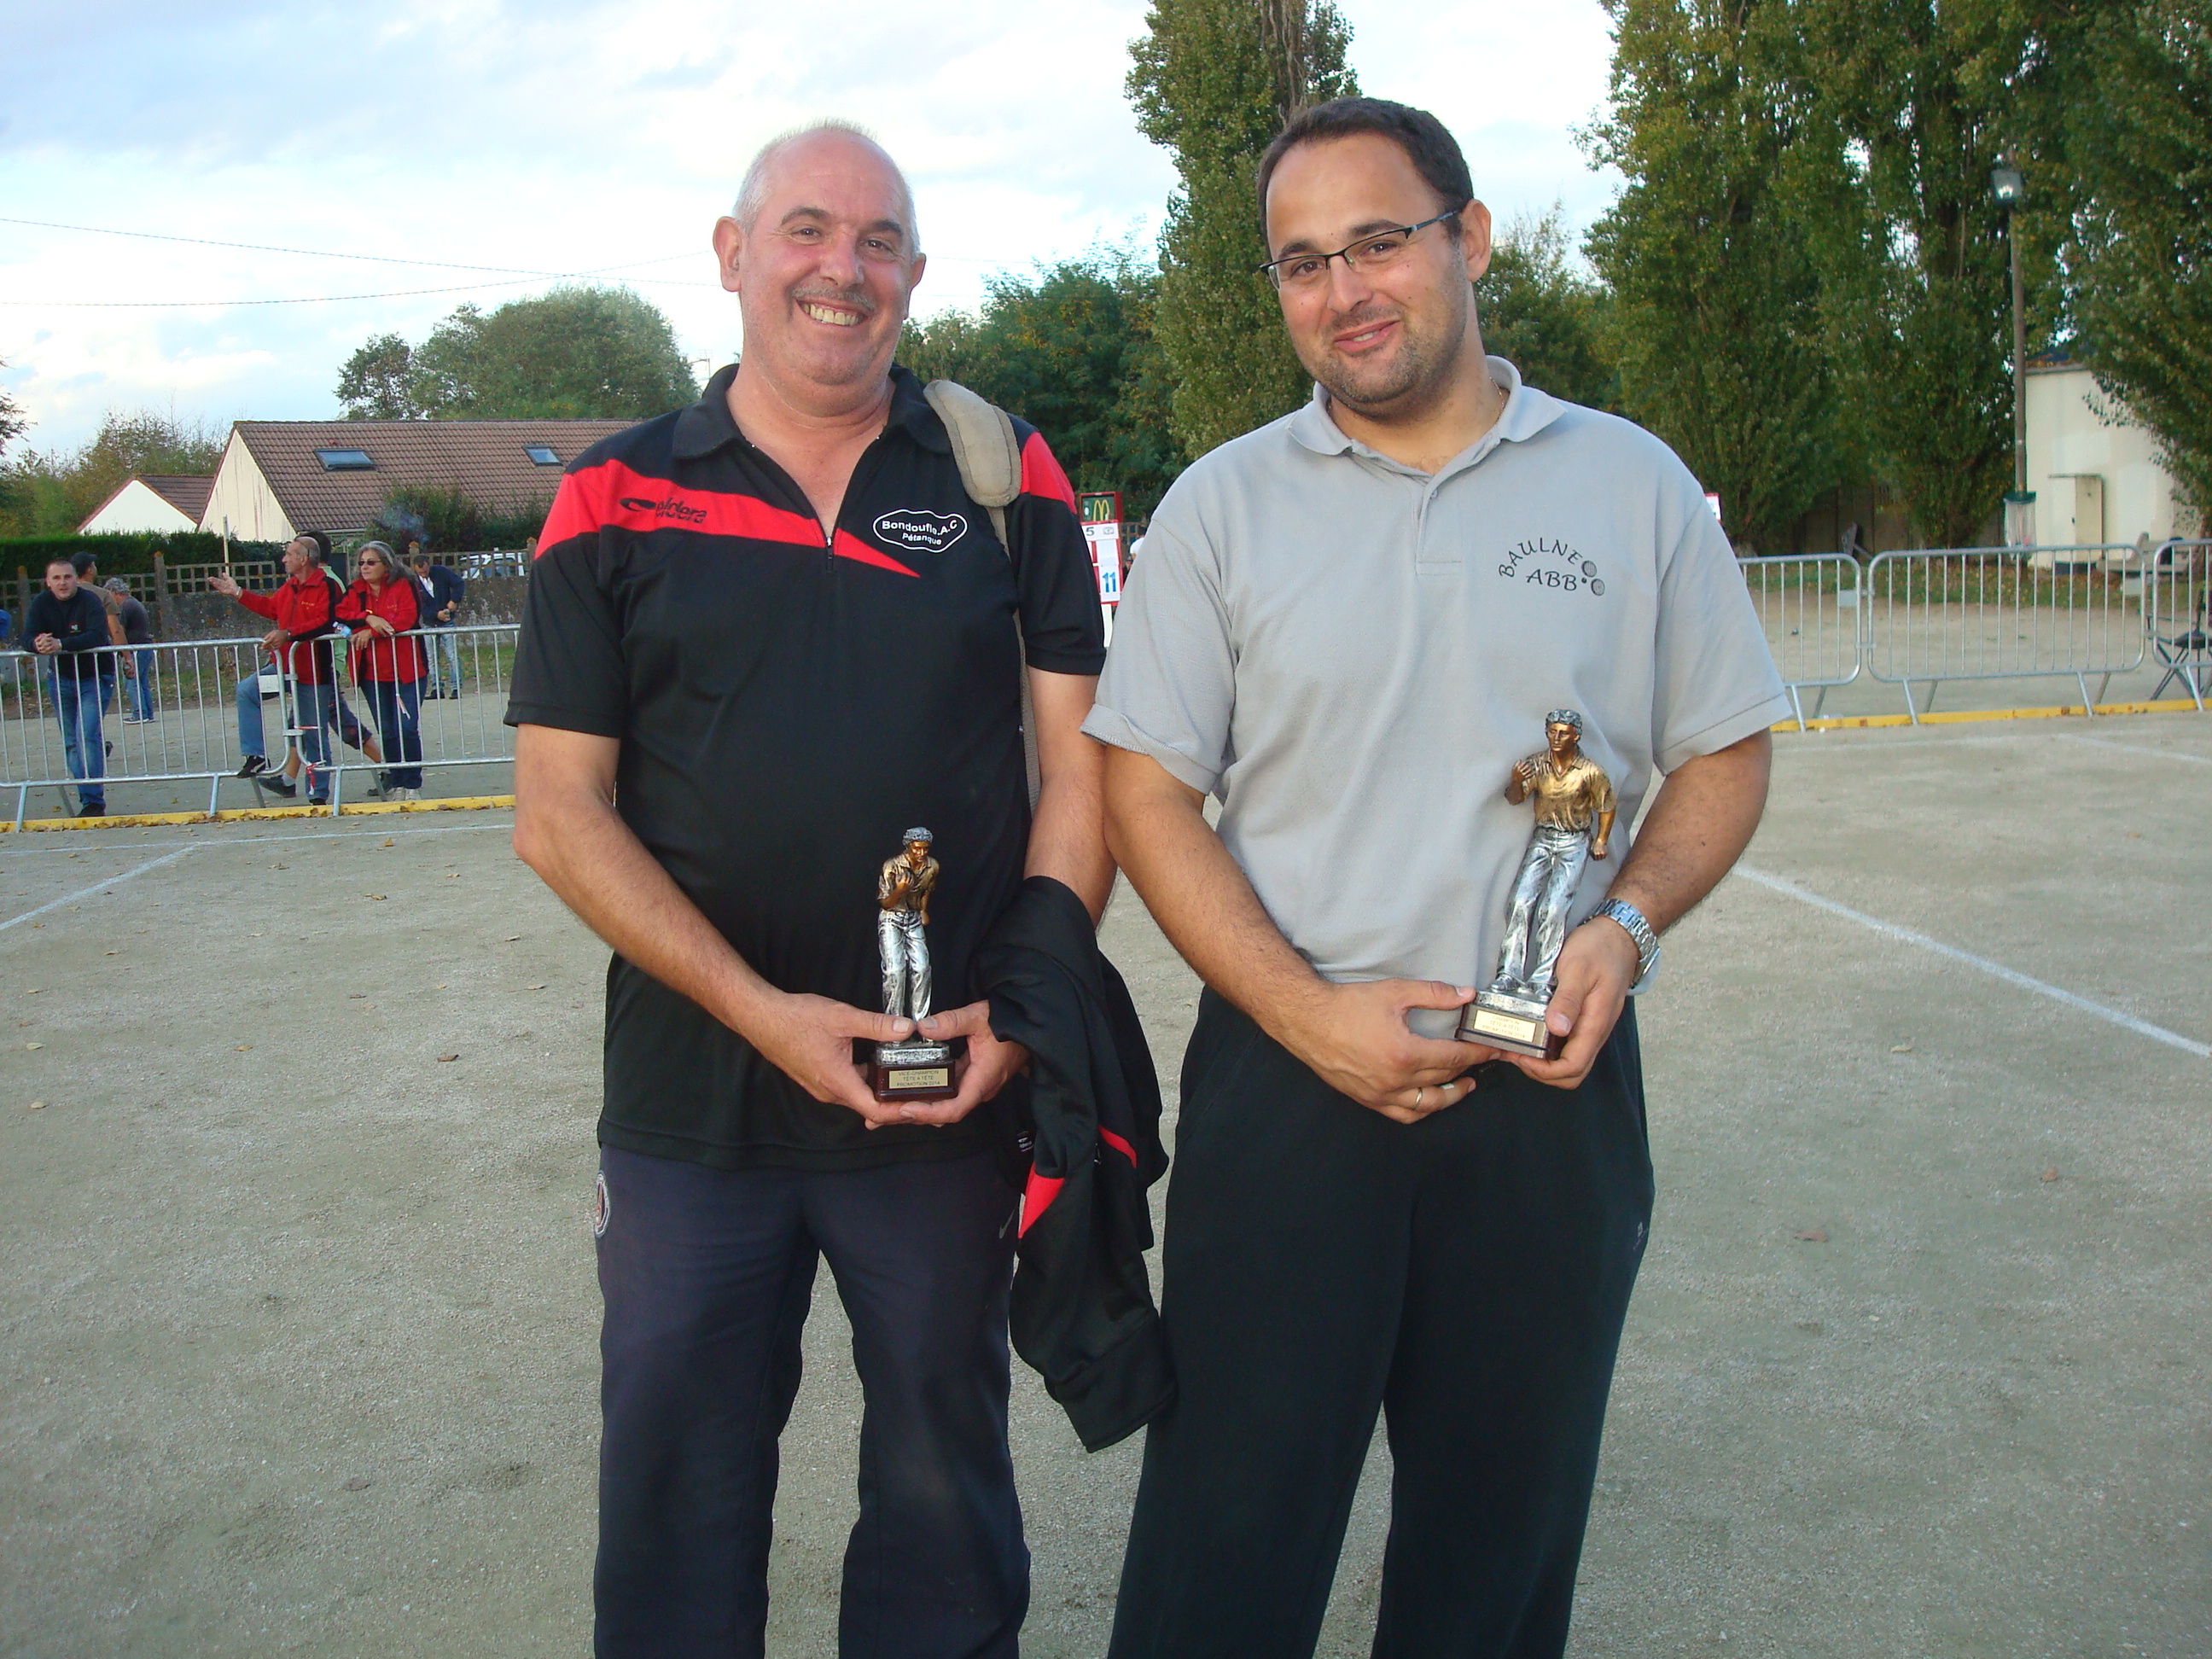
(568, 135)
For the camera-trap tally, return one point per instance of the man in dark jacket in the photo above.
(441, 590)
(67, 625)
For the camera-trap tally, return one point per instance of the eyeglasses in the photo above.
(1308, 271)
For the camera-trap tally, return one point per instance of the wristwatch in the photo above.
(1647, 942)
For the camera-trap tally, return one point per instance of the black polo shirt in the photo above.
(786, 709)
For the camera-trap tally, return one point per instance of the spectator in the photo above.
(87, 566)
(440, 591)
(6, 624)
(138, 667)
(67, 625)
(387, 660)
(304, 610)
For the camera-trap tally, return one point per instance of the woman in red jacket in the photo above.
(387, 661)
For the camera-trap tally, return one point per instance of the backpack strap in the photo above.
(989, 457)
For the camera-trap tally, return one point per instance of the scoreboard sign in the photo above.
(1101, 513)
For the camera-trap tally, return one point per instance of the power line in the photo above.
(325, 253)
(304, 300)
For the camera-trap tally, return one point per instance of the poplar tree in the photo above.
(1716, 324)
(1917, 100)
(2141, 140)
(1213, 82)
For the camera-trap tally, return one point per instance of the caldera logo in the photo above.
(673, 507)
(932, 533)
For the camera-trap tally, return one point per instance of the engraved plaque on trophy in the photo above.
(914, 1068)
(1574, 810)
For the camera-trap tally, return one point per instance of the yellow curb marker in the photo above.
(1863, 722)
(155, 820)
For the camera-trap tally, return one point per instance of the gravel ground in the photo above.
(296, 1333)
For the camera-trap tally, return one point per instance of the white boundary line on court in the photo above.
(1997, 970)
(57, 844)
(98, 887)
(2137, 748)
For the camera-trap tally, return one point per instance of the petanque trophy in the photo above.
(1572, 796)
(914, 1068)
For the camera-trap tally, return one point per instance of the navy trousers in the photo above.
(1467, 1277)
(707, 1276)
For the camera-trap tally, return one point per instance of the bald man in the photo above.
(777, 621)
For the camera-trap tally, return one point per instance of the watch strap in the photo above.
(1639, 929)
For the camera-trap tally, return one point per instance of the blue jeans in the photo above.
(440, 641)
(77, 703)
(395, 703)
(335, 714)
(141, 688)
(706, 1275)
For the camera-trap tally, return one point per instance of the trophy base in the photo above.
(1513, 1024)
(914, 1070)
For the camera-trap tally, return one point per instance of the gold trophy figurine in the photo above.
(1573, 797)
(914, 1068)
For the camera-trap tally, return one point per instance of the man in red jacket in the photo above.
(304, 610)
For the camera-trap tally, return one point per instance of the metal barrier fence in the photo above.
(190, 713)
(2000, 613)
(2177, 594)
(1810, 606)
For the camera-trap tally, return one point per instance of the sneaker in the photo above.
(137, 719)
(319, 801)
(405, 795)
(278, 783)
(93, 809)
(250, 765)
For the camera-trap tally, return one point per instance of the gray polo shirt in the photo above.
(1352, 654)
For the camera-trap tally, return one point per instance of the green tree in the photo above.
(12, 423)
(1716, 324)
(576, 353)
(377, 382)
(51, 493)
(1213, 82)
(1546, 318)
(1919, 99)
(1070, 349)
(2141, 141)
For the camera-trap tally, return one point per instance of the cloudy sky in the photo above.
(550, 138)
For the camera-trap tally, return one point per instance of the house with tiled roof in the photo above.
(278, 478)
(154, 502)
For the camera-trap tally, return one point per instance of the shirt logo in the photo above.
(669, 507)
(931, 532)
(1544, 562)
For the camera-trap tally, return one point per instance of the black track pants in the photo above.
(706, 1275)
(1466, 1275)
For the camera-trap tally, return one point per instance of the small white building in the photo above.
(156, 503)
(2095, 474)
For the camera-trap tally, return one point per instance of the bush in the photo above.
(127, 553)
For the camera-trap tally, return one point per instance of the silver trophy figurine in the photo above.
(1574, 808)
(914, 1068)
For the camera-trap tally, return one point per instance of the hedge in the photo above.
(127, 553)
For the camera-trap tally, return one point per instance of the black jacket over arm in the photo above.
(1082, 1311)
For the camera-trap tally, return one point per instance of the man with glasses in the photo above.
(1349, 626)
(304, 610)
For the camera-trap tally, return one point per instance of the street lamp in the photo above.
(2010, 190)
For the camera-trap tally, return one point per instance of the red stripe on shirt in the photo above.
(613, 497)
(1037, 1194)
(1041, 472)
(1119, 1144)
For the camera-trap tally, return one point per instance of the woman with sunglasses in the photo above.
(387, 661)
